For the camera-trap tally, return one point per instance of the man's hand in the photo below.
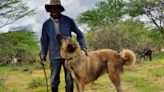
(42, 62)
(42, 58)
(85, 50)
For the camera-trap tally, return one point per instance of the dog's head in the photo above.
(68, 46)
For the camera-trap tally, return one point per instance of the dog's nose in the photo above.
(71, 48)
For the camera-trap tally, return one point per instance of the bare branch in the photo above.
(13, 10)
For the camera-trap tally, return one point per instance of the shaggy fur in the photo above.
(86, 69)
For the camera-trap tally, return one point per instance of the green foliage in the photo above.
(153, 9)
(105, 12)
(112, 11)
(126, 34)
(137, 7)
(17, 43)
(36, 82)
(156, 36)
(134, 8)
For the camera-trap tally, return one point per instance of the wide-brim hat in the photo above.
(54, 4)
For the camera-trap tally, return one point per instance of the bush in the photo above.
(17, 44)
(36, 82)
(126, 34)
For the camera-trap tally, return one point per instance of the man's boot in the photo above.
(69, 89)
(54, 89)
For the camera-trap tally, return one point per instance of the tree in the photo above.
(13, 10)
(20, 43)
(153, 9)
(113, 11)
(104, 13)
(155, 12)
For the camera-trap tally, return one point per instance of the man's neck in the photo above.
(55, 20)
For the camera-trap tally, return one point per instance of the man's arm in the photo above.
(80, 36)
(44, 43)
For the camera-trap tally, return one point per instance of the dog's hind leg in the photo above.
(114, 75)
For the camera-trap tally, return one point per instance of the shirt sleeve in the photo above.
(44, 41)
(80, 37)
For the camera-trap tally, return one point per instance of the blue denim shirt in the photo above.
(48, 37)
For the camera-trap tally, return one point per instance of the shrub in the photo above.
(17, 44)
(36, 82)
(126, 34)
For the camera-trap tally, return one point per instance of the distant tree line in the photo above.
(19, 44)
(118, 24)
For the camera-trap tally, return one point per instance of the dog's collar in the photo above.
(71, 58)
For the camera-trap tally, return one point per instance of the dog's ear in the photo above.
(59, 37)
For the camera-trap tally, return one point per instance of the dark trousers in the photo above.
(55, 67)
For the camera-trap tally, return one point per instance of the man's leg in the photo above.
(55, 67)
(68, 80)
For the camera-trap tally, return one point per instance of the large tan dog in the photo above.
(87, 68)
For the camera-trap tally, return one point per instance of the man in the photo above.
(63, 25)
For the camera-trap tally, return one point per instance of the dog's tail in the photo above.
(128, 56)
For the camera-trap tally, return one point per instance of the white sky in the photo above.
(72, 7)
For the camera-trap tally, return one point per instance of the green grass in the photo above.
(157, 72)
(143, 77)
(3, 79)
(37, 82)
(141, 84)
(158, 56)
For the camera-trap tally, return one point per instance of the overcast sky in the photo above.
(72, 7)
